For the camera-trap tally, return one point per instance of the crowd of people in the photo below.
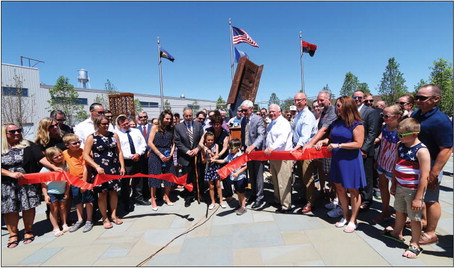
(376, 150)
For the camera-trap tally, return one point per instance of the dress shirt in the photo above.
(86, 128)
(279, 134)
(137, 138)
(305, 127)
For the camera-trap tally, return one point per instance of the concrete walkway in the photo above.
(258, 238)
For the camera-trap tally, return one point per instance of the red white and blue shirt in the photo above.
(407, 166)
(388, 145)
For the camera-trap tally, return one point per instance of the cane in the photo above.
(197, 179)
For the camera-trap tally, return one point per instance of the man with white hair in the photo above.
(279, 138)
(253, 138)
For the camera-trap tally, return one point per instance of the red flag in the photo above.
(309, 48)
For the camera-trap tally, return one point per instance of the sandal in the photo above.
(28, 240)
(387, 233)
(425, 239)
(14, 243)
(351, 227)
(106, 224)
(117, 221)
(58, 233)
(341, 223)
(413, 249)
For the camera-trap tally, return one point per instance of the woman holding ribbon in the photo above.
(19, 156)
(162, 145)
(105, 148)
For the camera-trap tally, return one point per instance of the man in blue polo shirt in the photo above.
(436, 134)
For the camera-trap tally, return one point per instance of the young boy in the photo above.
(409, 185)
(75, 161)
(238, 177)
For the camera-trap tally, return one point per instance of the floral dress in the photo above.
(105, 154)
(211, 169)
(16, 197)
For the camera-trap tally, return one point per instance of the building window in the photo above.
(80, 101)
(12, 91)
(149, 104)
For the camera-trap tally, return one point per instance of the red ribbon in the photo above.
(296, 155)
(34, 178)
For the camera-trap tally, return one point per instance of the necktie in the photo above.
(144, 131)
(190, 134)
(131, 143)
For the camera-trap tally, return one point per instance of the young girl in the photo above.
(387, 155)
(56, 192)
(211, 168)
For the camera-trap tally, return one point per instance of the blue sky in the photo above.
(117, 41)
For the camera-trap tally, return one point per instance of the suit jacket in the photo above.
(371, 121)
(182, 140)
(256, 131)
(148, 126)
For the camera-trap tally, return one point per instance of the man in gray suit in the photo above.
(371, 118)
(187, 136)
(253, 138)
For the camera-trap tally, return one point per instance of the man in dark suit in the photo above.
(187, 136)
(371, 118)
(253, 138)
(139, 186)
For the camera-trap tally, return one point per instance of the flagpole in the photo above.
(231, 48)
(161, 108)
(301, 62)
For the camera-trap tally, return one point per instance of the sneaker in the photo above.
(336, 212)
(333, 204)
(240, 211)
(88, 226)
(65, 228)
(223, 205)
(377, 194)
(211, 206)
(76, 226)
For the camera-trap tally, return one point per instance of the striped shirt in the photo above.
(407, 166)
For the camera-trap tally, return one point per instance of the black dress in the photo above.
(17, 198)
(104, 152)
(163, 141)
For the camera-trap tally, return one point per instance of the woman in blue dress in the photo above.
(107, 158)
(347, 169)
(162, 147)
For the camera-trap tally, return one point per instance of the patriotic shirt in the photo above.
(407, 166)
(388, 147)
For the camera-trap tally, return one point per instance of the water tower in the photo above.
(83, 78)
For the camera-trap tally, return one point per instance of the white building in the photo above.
(39, 94)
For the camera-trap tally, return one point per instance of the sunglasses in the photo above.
(75, 143)
(53, 125)
(100, 112)
(357, 97)
(406, 134)
(422, 98)
(109, 117)
(201, 118)
(386, 115)
(401, 103)
(143, 117)
(233, 147)
(15, 131)
(368, 101)
(243, 110)
(60, 119)
(104, 124)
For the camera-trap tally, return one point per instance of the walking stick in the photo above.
(197, 179)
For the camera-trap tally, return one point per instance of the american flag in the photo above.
(240, 36)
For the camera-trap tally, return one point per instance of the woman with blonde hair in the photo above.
(19, 156)
(49, 134)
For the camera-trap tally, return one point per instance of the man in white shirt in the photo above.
(305, 127)
(133, 146)
(86, 128)
(279, 138)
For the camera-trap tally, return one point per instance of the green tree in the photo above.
(274, 99)
(393, 83)
(220, 103)
(350, 85)
(442, 76)
(137, 105)
(326, 88)
(363, 86)
(419, 85)
(64, 97)
(167, 105)
(285, 105)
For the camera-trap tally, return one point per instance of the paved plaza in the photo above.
(194, 236)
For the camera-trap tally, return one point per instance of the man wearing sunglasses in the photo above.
(60, 117)
(436, 134)
(253, 138)
(86, 128)
(368, 100)
(371, 120)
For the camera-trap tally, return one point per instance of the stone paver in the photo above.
(257, 238)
